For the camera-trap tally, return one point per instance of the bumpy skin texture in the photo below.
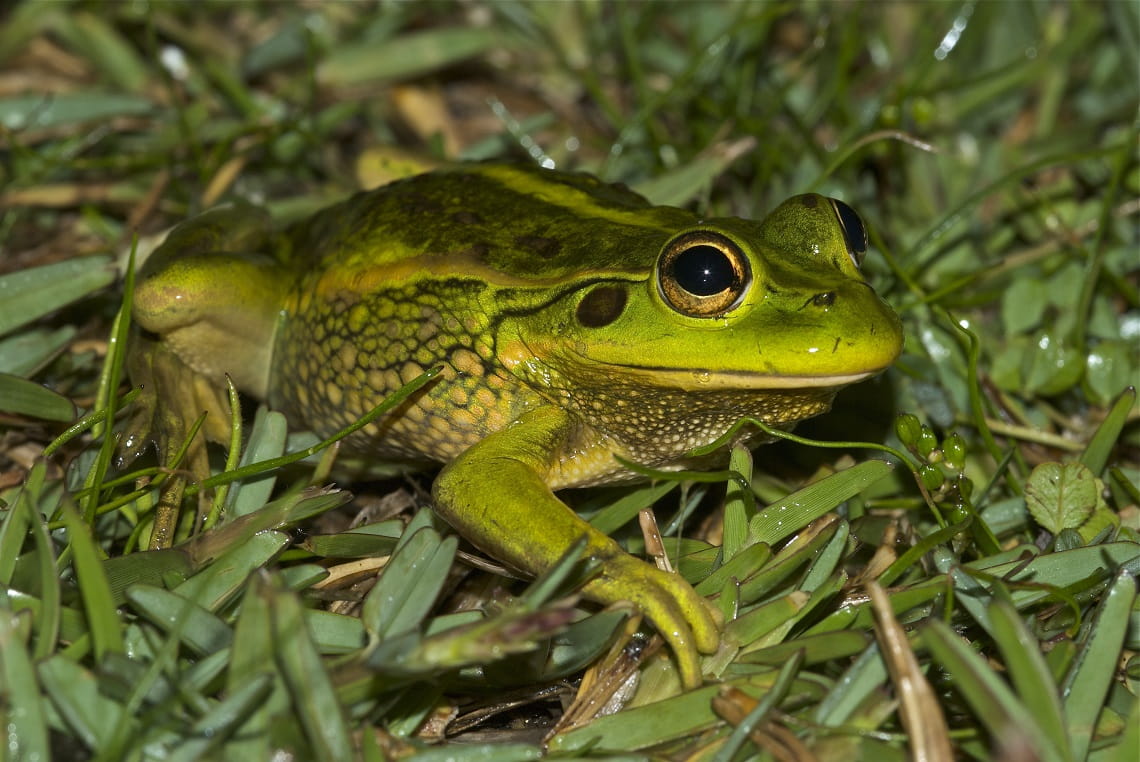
(550, 303)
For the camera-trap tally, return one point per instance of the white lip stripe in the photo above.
(701, 379)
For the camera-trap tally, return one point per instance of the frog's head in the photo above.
(742, 309)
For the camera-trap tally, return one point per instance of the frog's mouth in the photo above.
(523, 358)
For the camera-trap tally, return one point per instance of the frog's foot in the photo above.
(677, 611)
(172, 396)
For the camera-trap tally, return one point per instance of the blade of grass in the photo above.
(1095, 664)
(23, 397)
(23, 712)
(98, 602)
(927, 732)
(1100, 447)
(992, 701)
(803, 506)
(409, 585)
(310, 685)
(1030, 674)
(28, 295)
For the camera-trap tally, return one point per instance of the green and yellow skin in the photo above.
(574, 322)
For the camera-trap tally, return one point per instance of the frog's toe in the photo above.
(669, 619)
(676, 611)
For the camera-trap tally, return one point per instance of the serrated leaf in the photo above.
(1060, 496)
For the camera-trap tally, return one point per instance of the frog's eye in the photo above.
(702, 274)
(853, 230)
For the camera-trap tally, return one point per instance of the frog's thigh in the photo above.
(496, 496)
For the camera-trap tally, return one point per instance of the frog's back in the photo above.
(508, 221)
(418, 274)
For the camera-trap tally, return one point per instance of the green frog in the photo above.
(573, 321)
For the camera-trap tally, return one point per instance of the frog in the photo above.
(575, 328)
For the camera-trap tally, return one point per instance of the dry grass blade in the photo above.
(773, 737)
(921, 714)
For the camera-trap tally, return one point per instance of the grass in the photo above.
(970, 593)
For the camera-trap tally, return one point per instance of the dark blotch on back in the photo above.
(466, 218)
(412, 204)
(601, 306)
(538, 245)
(811, 202)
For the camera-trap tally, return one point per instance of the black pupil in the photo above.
(853, 226)
(703, 270)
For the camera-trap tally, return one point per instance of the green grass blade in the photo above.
(76, 697)
(98, 602)
(195, 626)
(22, 711)
(28, 295)
(1094, 667)
(804, 506)
(20, 396)
(310, 685)
(409, 585)
(1030, 674)
(992, 701)
(1100, 447)
(249, 660)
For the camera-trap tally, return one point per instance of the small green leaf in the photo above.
(491, 752)
(408, 587)
(739, 504)
(1022, 305)
(625, 508)
(24, 353)
(203, 632)
(1100, 447)
(1109, 368)
(75, 695)
(1061, 496)
(1053, 367)
(266, 441)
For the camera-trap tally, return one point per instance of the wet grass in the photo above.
(969, 593)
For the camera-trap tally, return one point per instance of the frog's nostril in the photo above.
(826, 299)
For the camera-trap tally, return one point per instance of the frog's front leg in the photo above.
(495, 494)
